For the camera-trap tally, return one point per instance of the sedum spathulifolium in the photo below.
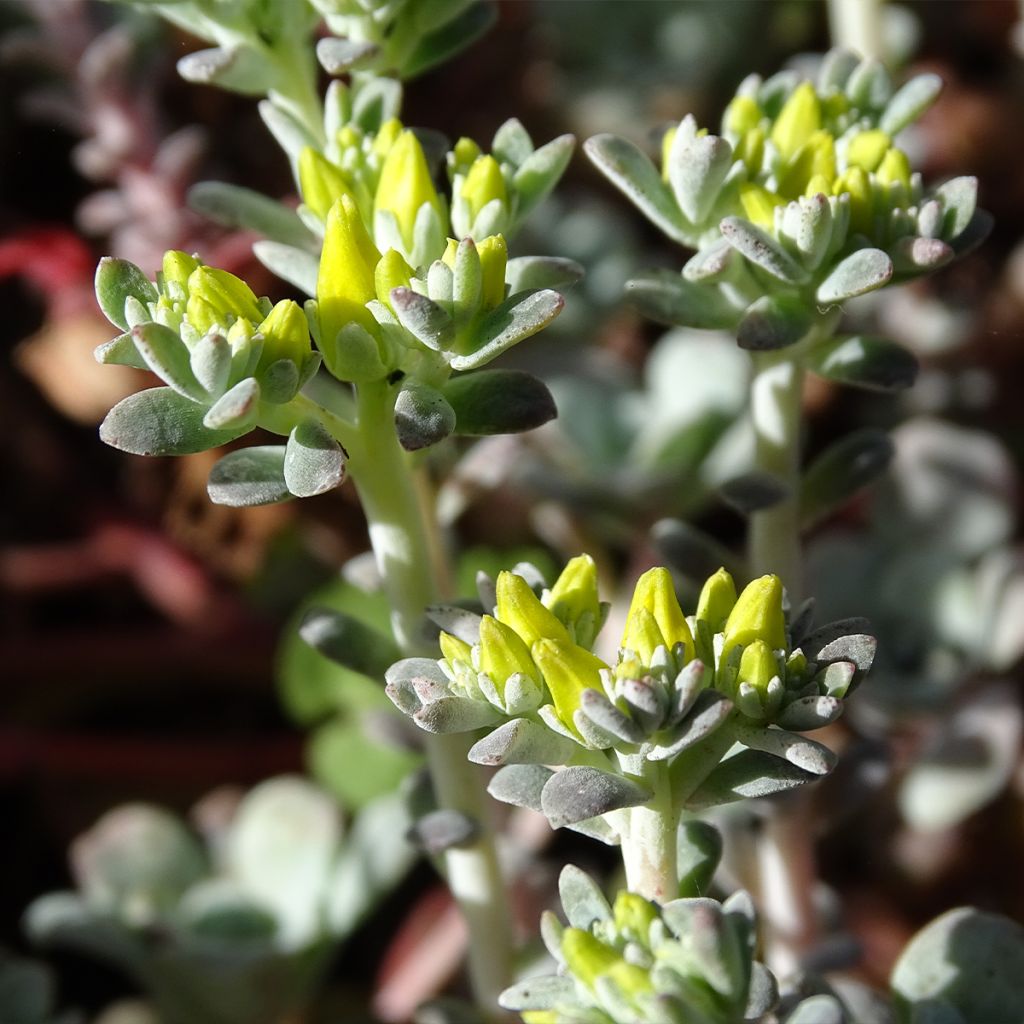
(803, 200)
(693, 710)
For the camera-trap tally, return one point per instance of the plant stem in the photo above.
(400, 543)
(775, 398)
(649, 840)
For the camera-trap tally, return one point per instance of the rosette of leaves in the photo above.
(803, 201)
(229, 362)
(581, 739)
(689, 960)
(235, 931)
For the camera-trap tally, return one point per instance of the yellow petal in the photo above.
(519, 607)
(493, 253)
(758, 666)
(759, 205)
(405, 184)
(757, 615)
(717, 599)
(285, 333)
(503, 653)
(321, 183)
(799, 118)
(568, 670)
(392, 272)
(656, 593)
(484, 183)
(455, 649)
(347, 265)
(867, 149)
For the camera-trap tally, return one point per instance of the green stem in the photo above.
(386, 488)
(649, 839)
(857, 25)
(775, 401)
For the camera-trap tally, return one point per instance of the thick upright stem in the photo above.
(857, 25)
(775, 411)
(400, 543)
(649, 840)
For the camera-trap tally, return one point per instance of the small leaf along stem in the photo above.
(399, 536)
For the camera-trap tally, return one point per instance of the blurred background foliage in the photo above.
(149, 640)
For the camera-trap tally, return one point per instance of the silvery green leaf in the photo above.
(837, 678)
(815, 641)
(348, 641)
(690, 682)
(632, 172)
(120, 351)
(236, 207)
(460, 622)
(423, 318)
(959, 198)
(669, 298)
(423, 416)
(807, 713)
(455, 714)
(541, 993)
(296, 266)
(979, 227)
(581, 898)
(864, 361)
(467, 279)
(597, 829)
(841, 471)
(774, 91)
(314, 462)
(236, 408)
(116, 280)
(248, 477)
(763, 994)
(753, 491)
(858, 648)
(821, 1009)
(966, 765)
(498, 402)
(376, 99)
(168, 357)
(372, 861)
(522, 742)
(747, 775)
(862, 271)
(594, 736)
(698, 853)
(529, 273)
(159, 421)
(774, 321)
(511, 143)
(701, 925)
(970, 959)
(910, 101)
(403, 682)
(220, 910)
(538, 174)
(696, 169)
(442, 830)
(804, 753)
(237, 68)
(211, 362)
(450, 38)
(279, 382)
(517, 318)
(869, 85)
(520, 785)
(610, 719)
(709, 711)
(762, 250)
(836, 67)
(291, 136)
(577, 793)
(709, 265)
(920, 255)
(337, 56)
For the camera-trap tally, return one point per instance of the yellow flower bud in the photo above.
(656, 594)
(818, 184)
(717, 599)
(759, 205)
(405, 184)
(631, 979)
(503, 653)
(387, 136)
(750, 150)
(642, 635)
(666, 147)
(217, 297)
(466, 151)
(815, 158)
(519, 607)
(178, 266)
(586, 956)
(867, 149)
(857, 184)
(455, 649)
(574, 594)
(632, 913)
(493, 253)
(448, 256)
(483, 183)
(347, 265)
(392, 272)
(895, 167)
(321, 183)
(568, 670)
(799, 118)
(741, 116)
(758, 666)
(285, 333)
(757, 615)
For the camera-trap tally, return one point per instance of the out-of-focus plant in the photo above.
(239, 926)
